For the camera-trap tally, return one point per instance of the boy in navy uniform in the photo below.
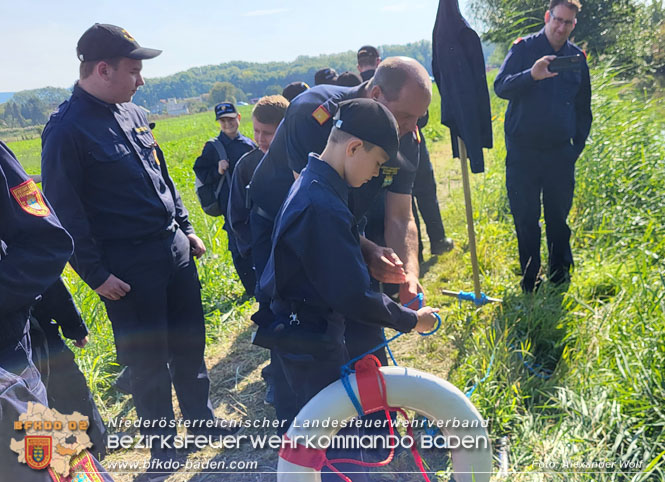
(547, 123)
(209, 167)
(316, 275)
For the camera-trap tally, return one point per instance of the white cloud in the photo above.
(260, 13)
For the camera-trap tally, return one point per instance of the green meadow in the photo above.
(570, 377)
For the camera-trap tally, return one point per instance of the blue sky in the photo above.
(38, 38)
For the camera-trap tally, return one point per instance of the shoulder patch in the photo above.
(321, 114)
(30, 198)
(518, 40)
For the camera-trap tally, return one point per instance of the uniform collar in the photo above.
(545, 44)
(226, 139)
(324, 170)
(78, 91)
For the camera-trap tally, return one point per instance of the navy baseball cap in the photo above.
(105, 41)
(368, 51)
(325, 76)
(225, 109)
(370, 121)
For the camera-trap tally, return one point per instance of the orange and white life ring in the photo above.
(438, 400)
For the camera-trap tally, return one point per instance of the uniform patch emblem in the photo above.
(321, 115)
(30, 198)
(388, 173)
(38, 451)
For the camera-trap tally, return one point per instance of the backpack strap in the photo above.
(221, 152)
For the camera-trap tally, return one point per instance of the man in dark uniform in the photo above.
(34, 249)
(66, 388)
(210, 168)
(316, 275)
(547, 123)
(294, 89)
(134, 244)
(368, 60)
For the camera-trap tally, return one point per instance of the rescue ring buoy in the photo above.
(411, 389)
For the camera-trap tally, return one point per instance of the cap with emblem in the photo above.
(225, 109)
(325, 76)
(368, 52)
(370, 121)
(104, 41)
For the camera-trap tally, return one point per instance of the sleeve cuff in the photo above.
(75, 333)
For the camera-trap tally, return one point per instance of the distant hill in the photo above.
(251, 79)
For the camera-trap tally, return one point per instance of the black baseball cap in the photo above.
(225, 109)
(105, 41)
(370, 121)
(294, 89)
(325, 76)
(368, 51)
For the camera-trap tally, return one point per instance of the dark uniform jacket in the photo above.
(102, 172)
(549, 113)
(237, 213)
(56, 308)
(305, 129)
(206, 165)
(34, 247)
(458, 66)
(316, 259)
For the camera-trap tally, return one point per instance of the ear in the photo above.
(547, 16)
(352, 147)
(103, 70)
(375, 93)
(239, 116)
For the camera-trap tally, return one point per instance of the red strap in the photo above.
(303, 456)
(372, 390)
(371, 385)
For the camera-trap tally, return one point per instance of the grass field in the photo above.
(569, 377)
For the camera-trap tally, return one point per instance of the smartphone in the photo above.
(566, 63)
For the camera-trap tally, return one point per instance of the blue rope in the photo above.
(346, 369)
(470, 296)
(487, 374)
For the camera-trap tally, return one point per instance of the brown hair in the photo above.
(87, 68)
(270, 109)
(572, 4)
(338, 136)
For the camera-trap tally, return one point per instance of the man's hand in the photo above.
(222, 166)
(384, 265)
(409, 290)
(539, 71)
(197, 246)
(81, 343)
(426, 319)
(113, 288)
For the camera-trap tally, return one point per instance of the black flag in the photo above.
(459, 70)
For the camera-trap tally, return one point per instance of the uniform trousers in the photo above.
(159, 327)
(530, 174)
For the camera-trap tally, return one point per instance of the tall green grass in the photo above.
(603, 338)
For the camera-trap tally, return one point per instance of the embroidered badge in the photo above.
(388, 173)
(321, 115)
(38, 451)
(30, 198)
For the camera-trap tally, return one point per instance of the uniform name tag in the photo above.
(30, 198)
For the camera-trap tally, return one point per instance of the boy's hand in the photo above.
(222, 166)
(426, 319)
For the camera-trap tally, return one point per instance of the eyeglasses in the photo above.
(562, 21)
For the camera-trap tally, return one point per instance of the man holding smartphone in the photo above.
(547, 123)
